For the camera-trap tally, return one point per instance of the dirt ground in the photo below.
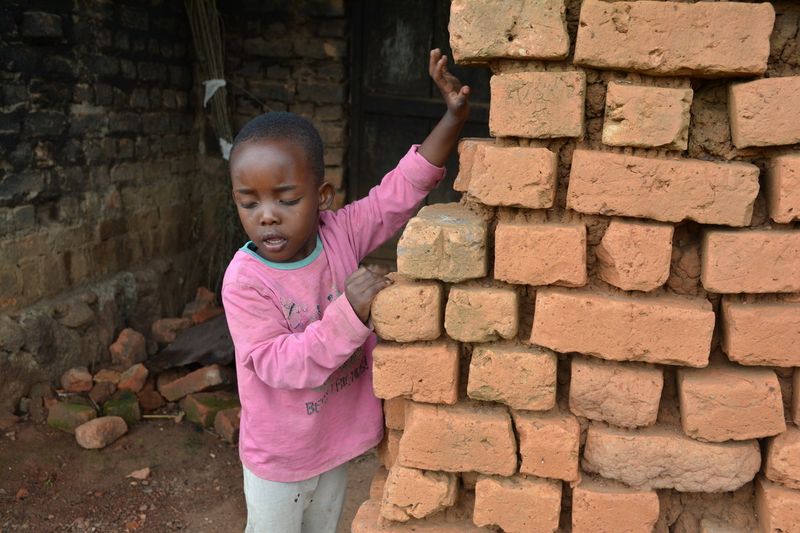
(48, 483)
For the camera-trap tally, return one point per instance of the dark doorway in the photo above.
(394, 102)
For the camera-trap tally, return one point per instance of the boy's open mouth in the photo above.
(273, 243)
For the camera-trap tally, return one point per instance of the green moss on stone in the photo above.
(66, 416)
(124, 404)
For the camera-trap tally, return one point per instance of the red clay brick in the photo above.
(662, 457)
(537, 104)
(795, 410)
(765, 112)
(460, 438)
(389, 448)
(203, 307)
(107, 375)
(646, 117)
(226, 424)
(605, 506)
(413, 493)
(129, 348)
(166, 330)
(150, 399)
(444, 241)
(394, 413)
(202, 407)
(467, 147)
(523, 377)
(548, 444)
(77, 380)
(540, 254)
(102, 391)
(134, 378)
(368, 520)
(514, 176)
(408, 310)
(167, 377)
(782, 463)
(777, 507)
(423, 371)
(782, 186)
(378, 483)
(481, 312)
(669, 190)
(666, 330)
(480, 32)
(518, 504)
(635, 256)
(761, 333)
(706, 39)
(200, 380)
(622, 394)
(754, 261)
(727, 402)
(712, 525)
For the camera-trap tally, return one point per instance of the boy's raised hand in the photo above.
(361, 287)
(455, 95)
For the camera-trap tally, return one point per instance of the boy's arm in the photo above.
(441, 141)
(283, 359)
(371, 221)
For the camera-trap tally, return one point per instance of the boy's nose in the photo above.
(268, 217)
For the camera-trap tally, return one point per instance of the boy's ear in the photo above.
(326, 194)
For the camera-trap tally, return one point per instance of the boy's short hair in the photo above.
(282, 125)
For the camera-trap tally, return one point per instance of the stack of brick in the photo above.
(100, 408)
(604, 332)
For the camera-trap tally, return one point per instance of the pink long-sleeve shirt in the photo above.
(303, 357)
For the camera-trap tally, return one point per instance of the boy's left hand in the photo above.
(455, 95)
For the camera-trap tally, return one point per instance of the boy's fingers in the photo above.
(441, 67)
(434, 60)
(381, 270)
(376, 279)
(357, 274)
(377, 287)
(463, 94)
(368, 280)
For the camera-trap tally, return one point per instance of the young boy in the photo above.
(297, 306)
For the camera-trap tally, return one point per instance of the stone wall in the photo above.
(604, 336)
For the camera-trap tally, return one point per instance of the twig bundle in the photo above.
(206, 23)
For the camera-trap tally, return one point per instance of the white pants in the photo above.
(310, 506)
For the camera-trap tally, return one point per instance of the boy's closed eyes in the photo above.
(248, 198)
(279, 196)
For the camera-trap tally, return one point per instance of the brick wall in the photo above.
(284, 56)
(99, 171)
(604, 337)
(102, 205)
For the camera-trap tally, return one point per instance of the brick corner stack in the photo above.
(621, 320)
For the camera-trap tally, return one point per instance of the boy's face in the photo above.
(278, 198)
